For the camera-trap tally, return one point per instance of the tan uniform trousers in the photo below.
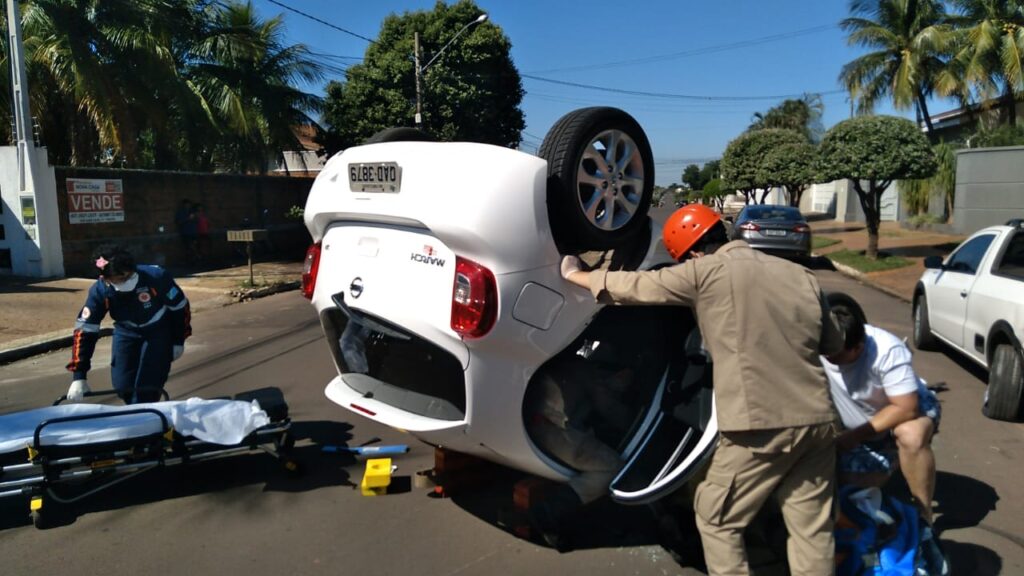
(797, 465)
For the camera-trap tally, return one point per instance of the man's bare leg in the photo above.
(914, 440)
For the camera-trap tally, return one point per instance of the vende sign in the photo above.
(91, 201)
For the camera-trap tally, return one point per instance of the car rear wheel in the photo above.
(1005, 384)
(600, 178)
(399, 134)
(923, 337)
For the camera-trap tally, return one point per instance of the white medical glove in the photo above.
(78, 390)
(570, 264)
(177, 351)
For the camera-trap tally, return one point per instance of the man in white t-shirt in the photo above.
(879, 396)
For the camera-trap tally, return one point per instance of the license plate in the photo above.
(774, 232)
(375, 177)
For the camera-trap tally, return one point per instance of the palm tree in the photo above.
(990, 37)
(802, 115)
(908, 38)
(89, 59)
(244, 76)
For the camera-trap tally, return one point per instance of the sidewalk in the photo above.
(913, 245)
(37, 316)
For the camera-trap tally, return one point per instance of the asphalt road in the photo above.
(244, 514)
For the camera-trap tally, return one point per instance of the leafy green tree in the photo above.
(990, 54)
(793, 166)
(692, 177)
(908, 39)
(743, 163)
(802, 115)
(471, 92)
(872, 151)
(713, 193)
(710, 171)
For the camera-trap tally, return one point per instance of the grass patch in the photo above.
(822, 242)
(859, 262)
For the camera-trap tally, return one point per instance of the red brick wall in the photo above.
(151, 199)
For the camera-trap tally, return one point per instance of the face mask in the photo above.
(126, 286)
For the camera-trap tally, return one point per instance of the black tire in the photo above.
(1005, 384)
(842, 300)
(923, 337)
(399, 134)
(611, 196)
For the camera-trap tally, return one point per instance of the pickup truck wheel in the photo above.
(399, 134)
(600, 178)
(1005, 384)
(923, 337)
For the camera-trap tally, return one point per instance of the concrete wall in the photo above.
(848, 207)
(989, 187)
(151, 199)
(30, 244)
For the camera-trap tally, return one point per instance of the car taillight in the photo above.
(474, 299)
(802, 228)
(309, 270)
(749, 226)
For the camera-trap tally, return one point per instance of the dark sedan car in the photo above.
(779, 230)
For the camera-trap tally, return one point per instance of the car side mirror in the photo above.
(933, 262)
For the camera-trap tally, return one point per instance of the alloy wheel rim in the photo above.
(610, 180)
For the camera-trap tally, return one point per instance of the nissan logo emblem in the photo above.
(356, 287)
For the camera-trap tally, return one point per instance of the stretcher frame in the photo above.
(92, 468)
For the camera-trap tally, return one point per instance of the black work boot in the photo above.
(551, 515)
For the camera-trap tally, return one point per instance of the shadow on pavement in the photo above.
(972, 559)
(816, 263)
(26, 286)
(964, 502)
(216, 479)
(922, 250)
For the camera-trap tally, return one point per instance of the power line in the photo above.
(324, 22)
(696, 51)
(677, 96)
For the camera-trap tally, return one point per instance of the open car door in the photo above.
(657, 412)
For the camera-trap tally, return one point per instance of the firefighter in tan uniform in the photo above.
(764, 322)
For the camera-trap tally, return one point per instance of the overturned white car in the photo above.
(435, 272)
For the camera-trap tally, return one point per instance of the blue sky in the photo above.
(726, 49)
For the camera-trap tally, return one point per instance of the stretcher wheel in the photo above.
(292, 467)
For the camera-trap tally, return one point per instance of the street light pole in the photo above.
(420, 70)
(419, 76)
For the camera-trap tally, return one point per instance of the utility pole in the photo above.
(419, 80)
(22, 117)
(35, 249)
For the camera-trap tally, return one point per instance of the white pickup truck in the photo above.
(974, 301)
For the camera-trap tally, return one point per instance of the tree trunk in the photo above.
(870, 201)
(923, 107)
(1010, 103)
(764, 195)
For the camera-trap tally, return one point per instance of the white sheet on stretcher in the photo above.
(216, 421)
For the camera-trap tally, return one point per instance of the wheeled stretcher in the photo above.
(65, 453)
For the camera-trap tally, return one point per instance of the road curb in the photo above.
(42, 347)
(864, 279)
(50, 344)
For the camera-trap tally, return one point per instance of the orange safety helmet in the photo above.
(686, 226)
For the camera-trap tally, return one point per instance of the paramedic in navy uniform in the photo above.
(151, 322)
